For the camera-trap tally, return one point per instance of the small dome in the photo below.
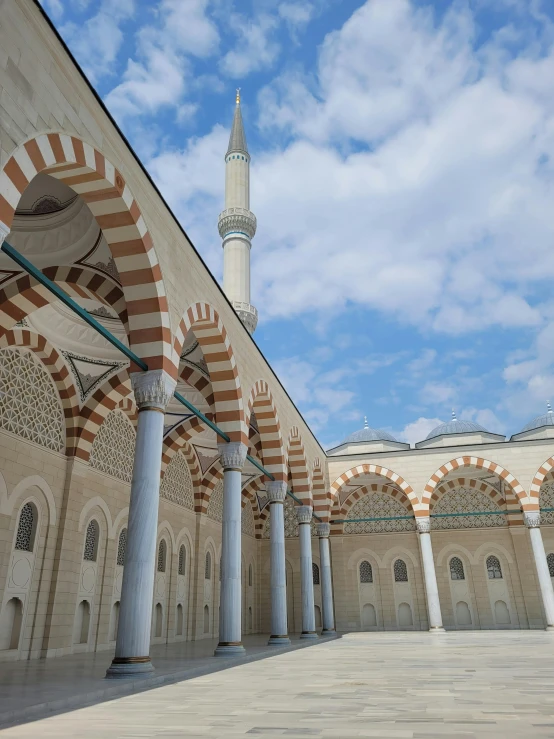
(368, 434)
(455, 427)
(547, 419)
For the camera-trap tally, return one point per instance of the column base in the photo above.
(437, 629)
(328, 632)
(229, 649)
(129, 667)
(549, 628)
(278, 639)
(309, 635)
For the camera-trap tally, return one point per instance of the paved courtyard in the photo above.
(420, 685)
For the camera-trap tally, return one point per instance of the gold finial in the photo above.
(238, 95)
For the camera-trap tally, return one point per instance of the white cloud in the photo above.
(417, 430)
(255, 48)
(97, 41)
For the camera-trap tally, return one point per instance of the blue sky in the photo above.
(402, 177)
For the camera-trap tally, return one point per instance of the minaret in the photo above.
(237, 225)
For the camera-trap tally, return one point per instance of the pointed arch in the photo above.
(213, 475)
(375, 469)
(262, 405)
(479, 486)
(191, 458)
(196, 379)
(321, 498)
(298, 467)
(178, 440)
(103, 188)
(538, 479)
(480, 464)
(342, 511)
(249, 493)
(204, 321)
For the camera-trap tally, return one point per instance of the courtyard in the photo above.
(395, 685)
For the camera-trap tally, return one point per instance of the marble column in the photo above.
(153, 391)
(328, 617)
(431, 589)
(233, 456)
(304, 517)
(276, 493)
(533, 521)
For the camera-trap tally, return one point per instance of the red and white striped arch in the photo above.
(272, 453)
(87, 171)
(212, 337)
(342, 511)
(321, 497)
(478, 463)
(538, 479)
(375, 469)
(298, 466)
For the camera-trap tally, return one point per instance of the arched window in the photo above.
(121, 547)
(400, 571)
(315, 573)
(494, 570)
(250, 575)
(162, 550)
(366, 571)
(457, 569)
(91, 542)
(550, 562)
(26, 528)
(208, 567)
(182, 559)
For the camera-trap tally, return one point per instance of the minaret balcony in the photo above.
(247, 314)
(238, 220)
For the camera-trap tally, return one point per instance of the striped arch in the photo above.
(272, 453)
(298, 467)
(480, 464)
(94, 412)
(542, 472)
(375, 469)
(199, 382)
(478, 485)
(209, 481)
(55, 365)
(189, 453)
(210, 333)
(321, 499)
(250, 491)
(177, 438)
(341, 511)
(129, 407)
(24, 295)
(104, 190)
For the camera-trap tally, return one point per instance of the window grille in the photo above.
(378, 505)
(29, 404)
(24, 538)
(457, 569)
(400, 571)
(248, 525)
(215, 505)
(91, 542)
(466, 500)
(121, 547)
(182, 559)
(494, 570)
(208, 567)
(550, 562)
(177, 483)
(113, 448)
(366, 572)
(162, 548)
(315, 573)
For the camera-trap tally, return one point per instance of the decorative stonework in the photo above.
(90, 373)
(121, 547)
(323, 530)
(457, 569)
(113, 448)
(532, 519)
(237, 220)
(466, 500)
(247, 520)
(24, 537)
(276, 491)
(423, 525)
(153, 388)
(247, 314)
(304, 514)
(215, 506)
(378, 505)
(29, 403)
(546, 500)
(177, 483)
(91, 541)
(366, 572)
(232, 455)
(400, 571)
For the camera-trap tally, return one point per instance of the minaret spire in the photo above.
(237, 225)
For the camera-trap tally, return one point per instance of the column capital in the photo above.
(323, 530)
(304, 513)
(532, 519)
(4, 231)
(423, 524)
(232, 455)
(153, 389)
(276, 491)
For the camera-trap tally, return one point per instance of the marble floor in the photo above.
(390, 685)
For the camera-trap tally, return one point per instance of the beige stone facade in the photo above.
(76, 202)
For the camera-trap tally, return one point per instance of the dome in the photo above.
(368, 434)
(456, 427)
(547, 419)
